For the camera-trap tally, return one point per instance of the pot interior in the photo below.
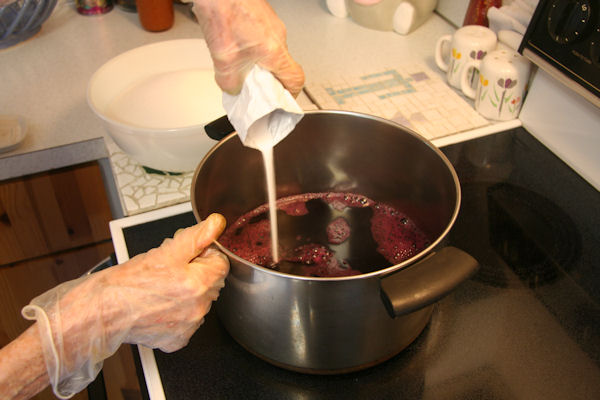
(335, 152)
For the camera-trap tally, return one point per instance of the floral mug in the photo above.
(503, 77)
(453, 52)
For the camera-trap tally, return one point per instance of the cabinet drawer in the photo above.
(53, 211)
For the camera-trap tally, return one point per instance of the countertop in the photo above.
(45, 78)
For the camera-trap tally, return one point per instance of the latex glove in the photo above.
(157, 299)
(241, 33)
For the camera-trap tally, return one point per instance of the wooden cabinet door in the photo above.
(53, 211)
(20, 233)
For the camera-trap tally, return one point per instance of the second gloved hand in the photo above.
(157, 299)
(241, 33)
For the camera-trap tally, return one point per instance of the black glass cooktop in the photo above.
(525, 326)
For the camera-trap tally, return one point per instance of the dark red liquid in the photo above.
(327, 235)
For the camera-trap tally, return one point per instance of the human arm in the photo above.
(157, 299)
(22, 368)
(241, 33)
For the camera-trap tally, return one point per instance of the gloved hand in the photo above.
(157, 299)
(241, 33)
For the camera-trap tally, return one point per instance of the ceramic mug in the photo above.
(503, 77)
(471, 42)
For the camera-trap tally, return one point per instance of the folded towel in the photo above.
(514, 16)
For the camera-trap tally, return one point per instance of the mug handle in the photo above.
(465, 85)
(439, 58)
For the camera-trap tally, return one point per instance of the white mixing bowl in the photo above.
(154, 101)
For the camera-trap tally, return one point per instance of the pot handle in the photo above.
(219, 128)
(427, 281)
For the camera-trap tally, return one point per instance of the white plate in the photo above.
(12, 132)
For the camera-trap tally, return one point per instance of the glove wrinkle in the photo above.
(244, 33)
(157, 299)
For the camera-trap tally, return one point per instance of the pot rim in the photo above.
(376, 273)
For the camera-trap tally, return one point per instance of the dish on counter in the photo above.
(154, 101)
(13, 130)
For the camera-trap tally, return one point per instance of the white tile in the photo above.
(170, 198)
(124, 179)
(148, 201)
(130, 204)
(139, 193)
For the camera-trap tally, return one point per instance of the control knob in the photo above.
(568, 20)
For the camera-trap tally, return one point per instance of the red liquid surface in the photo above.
(327, 235)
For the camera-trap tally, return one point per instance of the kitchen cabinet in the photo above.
(51, 212)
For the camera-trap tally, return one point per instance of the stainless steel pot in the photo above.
(335, 325)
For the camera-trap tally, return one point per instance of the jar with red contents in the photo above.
(155, 15)
(477, 12)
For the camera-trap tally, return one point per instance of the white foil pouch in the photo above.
(264, 112)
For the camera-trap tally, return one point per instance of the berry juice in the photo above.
(326, 235)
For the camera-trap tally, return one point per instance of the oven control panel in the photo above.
(563, 38)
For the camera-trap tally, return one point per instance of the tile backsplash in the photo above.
(141, 190)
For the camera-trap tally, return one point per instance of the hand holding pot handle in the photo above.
(427, 281)
(157, 299)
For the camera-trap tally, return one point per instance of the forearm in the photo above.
(157, 299)
(76, 330)
(22, 367)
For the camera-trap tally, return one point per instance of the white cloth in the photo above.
(264, 112)
(515, 16)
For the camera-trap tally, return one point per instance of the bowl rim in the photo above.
(135, 130)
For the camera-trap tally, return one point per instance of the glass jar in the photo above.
(155, 15)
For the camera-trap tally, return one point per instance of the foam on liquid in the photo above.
(327, 235)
